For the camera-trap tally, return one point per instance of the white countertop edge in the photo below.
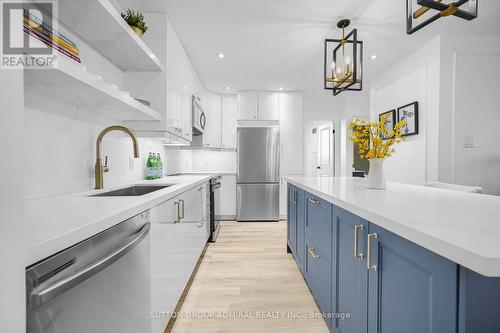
(51, 246)
(486, 266)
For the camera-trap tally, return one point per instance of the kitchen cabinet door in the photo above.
(291, 110)
(227, 202)
(164, 263)
(248, 105)
(350, 276)
(191, 231)
(212, 133)
(292, 219)
(165, 212)
(269, 106)
(412, 290)
(229, 122)
(300, 218)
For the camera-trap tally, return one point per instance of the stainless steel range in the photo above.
(214, 207)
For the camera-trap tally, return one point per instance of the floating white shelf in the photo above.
(72, 84)
(101, 25)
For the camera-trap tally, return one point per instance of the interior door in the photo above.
(326, 150)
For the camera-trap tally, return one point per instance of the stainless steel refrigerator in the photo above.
(258, 174)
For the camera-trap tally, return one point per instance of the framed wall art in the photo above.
(390, 120)
(409, 114)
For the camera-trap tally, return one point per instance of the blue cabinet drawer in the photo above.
(318, 276)
(319, 224)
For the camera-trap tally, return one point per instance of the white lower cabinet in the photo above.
(178, 237)
(227, 210)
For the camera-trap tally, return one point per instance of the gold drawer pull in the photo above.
(313, 253)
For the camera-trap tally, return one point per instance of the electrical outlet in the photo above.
(469, 142)
(131, 163)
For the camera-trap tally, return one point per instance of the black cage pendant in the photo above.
(344, 61)
(420, 13)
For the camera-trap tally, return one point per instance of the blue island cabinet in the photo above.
(350, 276)
(318, 255)
(296, 224)
(411, 289)
(374, 281)
(291, 219)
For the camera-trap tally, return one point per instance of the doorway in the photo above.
(319, 148)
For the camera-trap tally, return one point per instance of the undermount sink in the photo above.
(132, 191)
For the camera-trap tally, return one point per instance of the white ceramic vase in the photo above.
(376, 177)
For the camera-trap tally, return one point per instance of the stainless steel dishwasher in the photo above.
(100, 285)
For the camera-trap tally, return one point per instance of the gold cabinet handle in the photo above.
(313, 201)
(182, 204)
(313, 253)
(177, 212)
(369, 265)
(357, 254)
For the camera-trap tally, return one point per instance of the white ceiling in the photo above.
(279, 43)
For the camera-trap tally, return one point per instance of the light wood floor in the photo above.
(248, 270)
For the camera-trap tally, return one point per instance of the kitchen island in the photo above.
(406, 259)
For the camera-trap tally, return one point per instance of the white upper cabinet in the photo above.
(248, 105)
(212, 133)
(291, 110)
(268, 106)
(169, 91)
(254, 105)
(229, 122)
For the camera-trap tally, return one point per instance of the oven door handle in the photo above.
(38, 297)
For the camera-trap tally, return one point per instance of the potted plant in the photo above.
(136, 21)
(376, 143)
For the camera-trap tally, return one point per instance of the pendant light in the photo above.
(344, 61)
(419, 18)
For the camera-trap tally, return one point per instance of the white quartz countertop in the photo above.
(462, 227)
(58, 222)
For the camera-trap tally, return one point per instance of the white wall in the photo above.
(60, 151)
(12, 246)
(180, 160)
(477, 114)
(458, 53)
(415, 78)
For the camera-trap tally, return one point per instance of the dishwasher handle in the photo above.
(38, 297)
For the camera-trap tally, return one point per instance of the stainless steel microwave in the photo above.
(199, 117)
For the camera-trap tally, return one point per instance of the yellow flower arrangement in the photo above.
(374, 139)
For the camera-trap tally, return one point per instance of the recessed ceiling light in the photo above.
(221, 55)
(281, 88)
(228, 87)
(373, 56)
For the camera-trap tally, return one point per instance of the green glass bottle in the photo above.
(160, 166)
(155, 166)
(150, 167)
